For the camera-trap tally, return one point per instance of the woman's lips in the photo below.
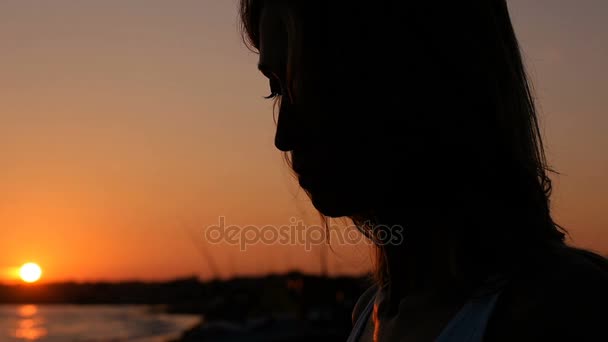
(305, 177)
(308, 170)
(304, 181)
(297, 166)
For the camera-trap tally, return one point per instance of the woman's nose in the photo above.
(285, 137)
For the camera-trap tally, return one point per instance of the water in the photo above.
(89, 323)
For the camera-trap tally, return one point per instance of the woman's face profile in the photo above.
(273, 65)
(327, 155)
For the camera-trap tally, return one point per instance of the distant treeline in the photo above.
(239, 298)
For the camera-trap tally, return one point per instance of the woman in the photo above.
(419, 115)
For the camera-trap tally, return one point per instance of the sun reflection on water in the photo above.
(30, 327)
(27, 310)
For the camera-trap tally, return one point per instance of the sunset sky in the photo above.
(127, 127)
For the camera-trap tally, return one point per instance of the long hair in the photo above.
(445, 85)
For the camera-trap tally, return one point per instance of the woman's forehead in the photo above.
(273, 34)
(273, 11)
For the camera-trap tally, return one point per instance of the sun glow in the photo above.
(30, 272)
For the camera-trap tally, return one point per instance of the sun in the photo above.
(30, 272)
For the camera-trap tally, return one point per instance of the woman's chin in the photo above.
(332, 204)
(329, 210)
(331, 197)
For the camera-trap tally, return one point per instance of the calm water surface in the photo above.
(90, 323)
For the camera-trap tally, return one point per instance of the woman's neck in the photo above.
(424, 263)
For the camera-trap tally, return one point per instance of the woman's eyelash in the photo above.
(272, 95)
(275, 89)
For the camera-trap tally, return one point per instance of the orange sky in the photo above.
(127, 127)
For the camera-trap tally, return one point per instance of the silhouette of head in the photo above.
(415, 109)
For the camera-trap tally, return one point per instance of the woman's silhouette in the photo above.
(419, 114)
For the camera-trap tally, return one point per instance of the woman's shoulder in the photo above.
(561, 295)
(568, 270)
(363, 301)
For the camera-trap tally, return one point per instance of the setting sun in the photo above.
(30, 272)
